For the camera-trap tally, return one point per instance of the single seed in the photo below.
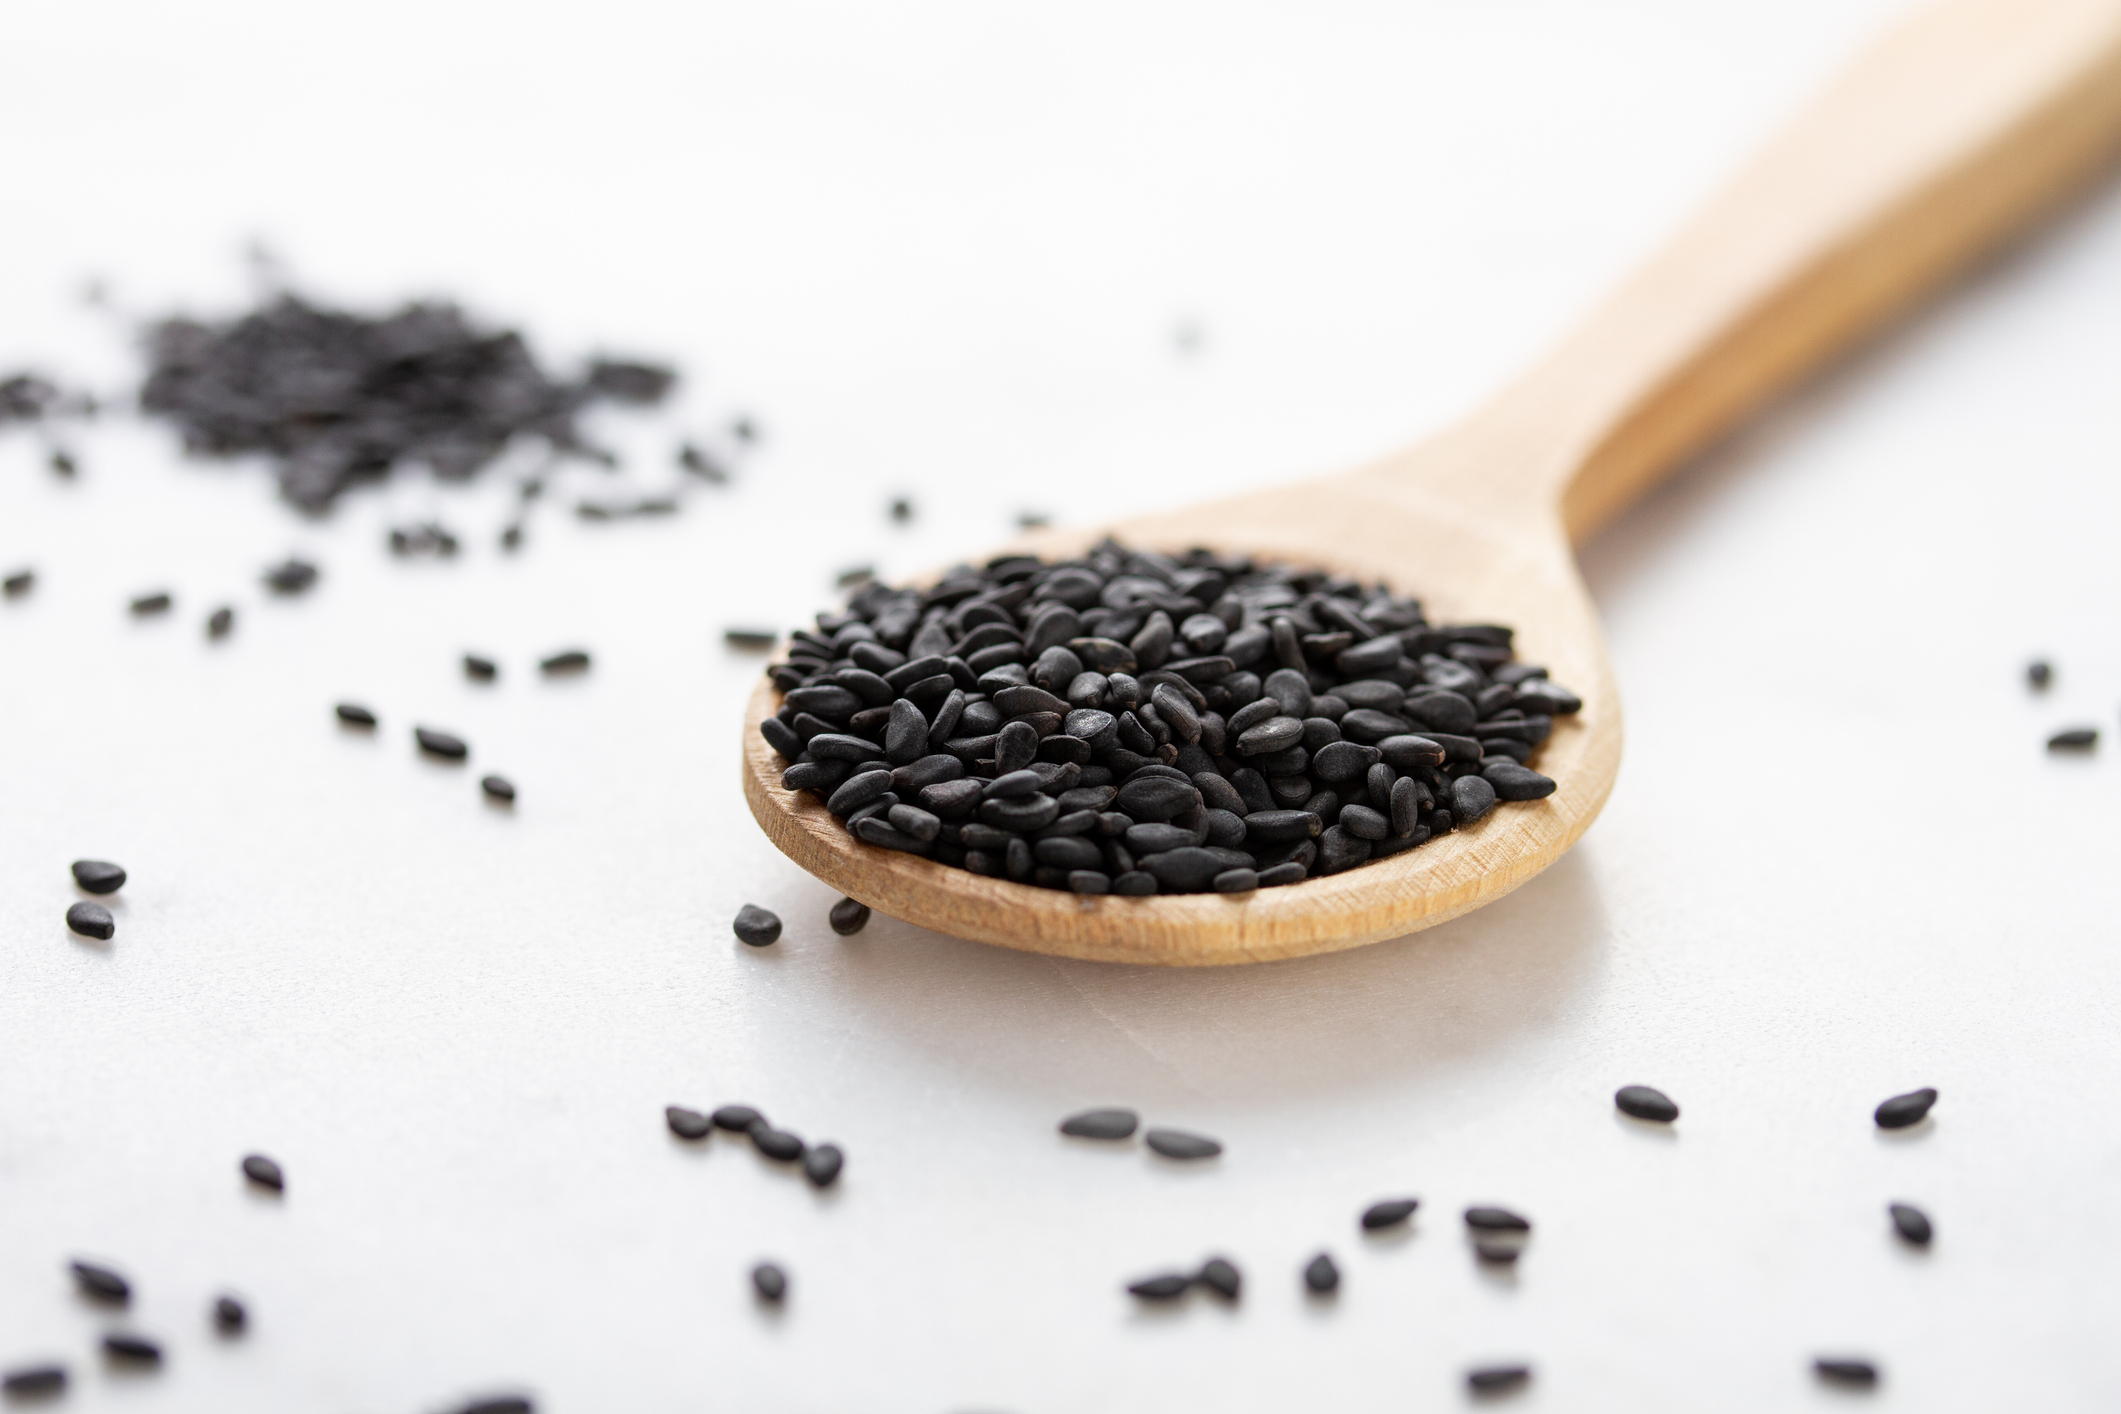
(1643, 1102)
(499, 788)
(752, 638)
(687, 1124)
(1842, 1370)
(849, 917)
(1101, 1124)
(264, 1172)
(353, 714)
(757, 927)
(136, 1349)
(1493, 1379)
(220, 621)
(901, 509)
(1389, 1213)
(18, 583)
(2075, 739)
(822, 1164)
(1903, 1110)
(770, 1282)
(290, 576)
(1168, 1287)
(146, 604)
(229, 1315)
(63, 463)
(1911, 1223)
(1321, 1275)
(737, 1119)
(572, 660)
(100, 1283)
(2039, 673)
(98, 876)
(776, 1144)
(1220, 1275)
(1177, 1144)
(442, 744)
(498, 1404)
(1496, 1220)
(33, 1381)
(480, 669)
(91, 920)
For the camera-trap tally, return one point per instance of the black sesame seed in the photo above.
(770, 1282)
(439, 743)
(1842, 1370)
(1903, 1110)
(1168, 1287)
(1320, 1275)
(753, 638)
(1496, 1220)
(290, 576)
(33, 1381)
(146, 604)
(1101, 1124)
(1911, 1223)
(230, 1316)
(18, 583)
(100, 1283)
(98, 876)
(135, 1349)
(91, 920)
(498, 1404)
(1494, 1379)
(687, 1124)
(1643, 1102)
(822, 1164)
(480, 669)
(776, 1144)
(737, 1119)
(572, 660)
(2039, 673)
(1177, 1144)
(353, 714)
(849, 917)
(2074, 739)
(220, 621)
(498, 788)
(264, 1172)
(757, 927)
(1389, 1213)
(1220, 1275)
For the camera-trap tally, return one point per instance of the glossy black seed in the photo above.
(776, 1143)
(1903, 1110)
(1496, 1220)
(1220, 1275)
(857, 791)
(220, 621)
(290, 576)
(353, 714)
(1235, 881)
(146, 604)
(2039, 673)
(1843, 1370)
(442, 744)
(1161, 1288)
(1911, 1223)
(1101, 1124)
(687, 1124)
(1645, 1103)
(1320, 1275)
(1177, 1144)
(230, 1316)
(98, 876)
(32, 1381)
(134, 1349)
(480, 669)
(1515, 782)
(848, 917)
(1390, 1212)
(264, 1172)
(737, 1119)
(1471, 798)
(1493, 1379)
(2074, 739)
(571, 660)
(100, 1283)
(822, 1164)
(757, 927)
(91, 920)
(770, 1282)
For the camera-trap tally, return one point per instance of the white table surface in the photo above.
(942, 249)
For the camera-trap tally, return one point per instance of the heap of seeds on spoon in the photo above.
(1133, 723)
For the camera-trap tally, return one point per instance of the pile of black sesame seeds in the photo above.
(1132, 723)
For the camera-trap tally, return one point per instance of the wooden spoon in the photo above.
(1954, 131)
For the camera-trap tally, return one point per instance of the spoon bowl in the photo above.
(1952, 132)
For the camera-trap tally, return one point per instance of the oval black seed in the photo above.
(33, 1381)
(264, 1172)
(134, 1349)
(1101, 1124)
(757, 927)
(498, 788)
(1364, 823)
(687, 1124)
(91, 920)
(1134, 883)
(439, 743)
(848, 917)
(480, 669)
(1389, 1212)
(1270, 826)
(1240, 880)
(1067, 852)
(1903, 1110)
(1283, 874)
(230, 1317)
(353, 714)
(570, 660)
(1842, 1370)
(1180, 871)
(1220, 1275)
(822, 1164)
(290, 576)
(1273, 735)
(1177, 1144)
(220, 621)
(1493, 1379)
(498, 1404)
(737, 1119)
(1168, 1287)
(1156, 797)
(1089, 881)
(2074, 739)
(1320, 1275)
(1515, 782)
(98, 876)
(100, 1283)
(2039, 673)
(146, 604)
(1911, 1223)
(1338, 850)
(776, 1143)
(1496, 1220)
(1471, 798)
(770, 1282)
(1643, 1102)
(858, 791)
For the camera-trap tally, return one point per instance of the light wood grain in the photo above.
(1953, 132)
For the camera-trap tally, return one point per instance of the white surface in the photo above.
(941, 250)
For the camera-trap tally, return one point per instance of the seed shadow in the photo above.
(106, 946)
(1398, 1235)
(1907, 1134)
(1327, 1027)
(1656, 1131)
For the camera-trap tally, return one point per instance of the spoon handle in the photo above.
(1951, 133)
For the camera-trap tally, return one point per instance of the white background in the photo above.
(943, 250)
